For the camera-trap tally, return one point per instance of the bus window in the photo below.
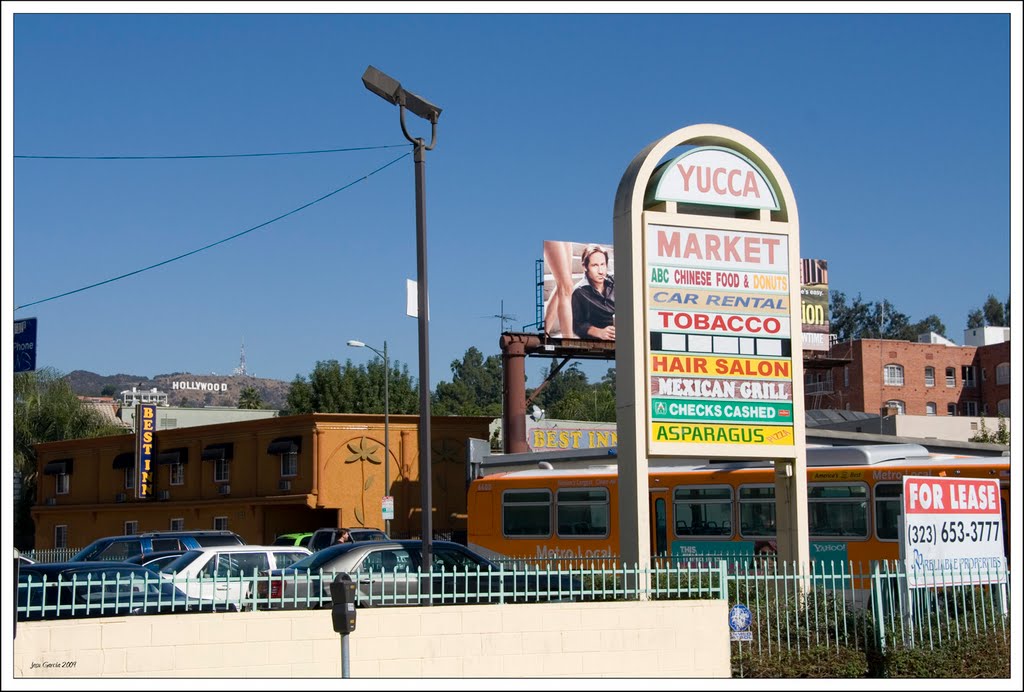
(583, 512)
(703, 510)
(837, 509)
(526, 513)
(888, 508)
(757, 510)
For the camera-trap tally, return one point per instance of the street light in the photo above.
(391, 91)
(387, 437)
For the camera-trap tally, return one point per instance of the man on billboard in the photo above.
(593, 300)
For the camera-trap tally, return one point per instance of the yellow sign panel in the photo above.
(722, 434)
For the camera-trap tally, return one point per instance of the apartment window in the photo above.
(289, 464)
(950, 377)
(60, 536)
(900, 406)
(967, 375)
(894, 375)
(177, 524)
(951, 409)
(131, 528)
(220, 523)
(177, 473)
(221, 470)
(1003, 373)
(970, 408)
(1003, 407)
(846, 375)
(929, 408)
(129, 478)
(929, 376)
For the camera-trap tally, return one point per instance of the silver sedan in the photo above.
(388, 573)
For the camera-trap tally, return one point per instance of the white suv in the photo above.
(225, 574)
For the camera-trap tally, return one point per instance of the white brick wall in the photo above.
(574, 640)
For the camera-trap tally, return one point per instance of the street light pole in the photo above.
(387, 432)
(391, 91)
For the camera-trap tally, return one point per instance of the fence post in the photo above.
(723, 577)
(877, 605)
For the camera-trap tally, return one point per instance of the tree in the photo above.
(975, 319)
(931, 323)
(475, 389)
(45, 410)
(108, 390)
(851, 321)
(995, 314)
(250, 398)
(331, 388)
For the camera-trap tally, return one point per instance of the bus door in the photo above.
(659, 522)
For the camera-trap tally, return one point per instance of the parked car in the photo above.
(121, 548)
(155, 561)
(53, 590)
(323, 538)
(301, 539)
(388, 573)
(226, 574)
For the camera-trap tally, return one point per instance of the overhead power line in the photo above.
(219, 242)
(208, 156)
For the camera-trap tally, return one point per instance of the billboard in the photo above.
(579, 290)
(25, 345)
(814, 304)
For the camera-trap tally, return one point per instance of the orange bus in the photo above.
(714, 509)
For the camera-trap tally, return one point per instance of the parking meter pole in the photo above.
(344, 657)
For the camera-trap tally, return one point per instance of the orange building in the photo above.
(259, 478)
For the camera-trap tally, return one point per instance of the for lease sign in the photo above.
(953, 531)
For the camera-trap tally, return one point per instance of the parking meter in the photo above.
(343, 604)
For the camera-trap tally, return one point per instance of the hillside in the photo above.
(191, 390)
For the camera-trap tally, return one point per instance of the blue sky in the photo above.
(894, 131)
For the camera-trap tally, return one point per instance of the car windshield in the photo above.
(181, 562)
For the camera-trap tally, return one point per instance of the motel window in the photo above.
(703, 510)
(1003, 373)
(221, 470)
(967, 375)
(929, 408)
(888, 507)
(950, 377)
(970, 408)
(177, 473)
(894, 375)
(583, 512)
(177, 524)
(951, 409)
(929, 376)
(526, 513)
(838, 509)
(129, 478)
(60, 536)
(290, 464)
(63, 483)
(220, 523)
(131, 528)
(757, 510)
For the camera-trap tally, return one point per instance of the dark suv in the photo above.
(325, 537)
(125, 547)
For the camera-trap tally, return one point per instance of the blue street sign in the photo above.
(25, 345)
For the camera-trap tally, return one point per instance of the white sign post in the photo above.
(953, 531)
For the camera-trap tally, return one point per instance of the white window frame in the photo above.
(220, 523)
(177, 524)
(967, 376)
(893, 375)
(221, 470)
(930, 408)
(176, 471)
(900, 406)
(951, 409)
(1003, 407)
(929, 376)
(62, 483)
(60, 536)
(129, 477)
(950, 377)
(971, 408)
(1003, 373)
(131, 527)
(289, 464)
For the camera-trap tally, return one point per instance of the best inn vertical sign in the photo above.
(145, 419)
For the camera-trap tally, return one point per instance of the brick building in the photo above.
(932, 377)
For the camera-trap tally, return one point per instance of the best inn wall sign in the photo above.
(145, 430)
